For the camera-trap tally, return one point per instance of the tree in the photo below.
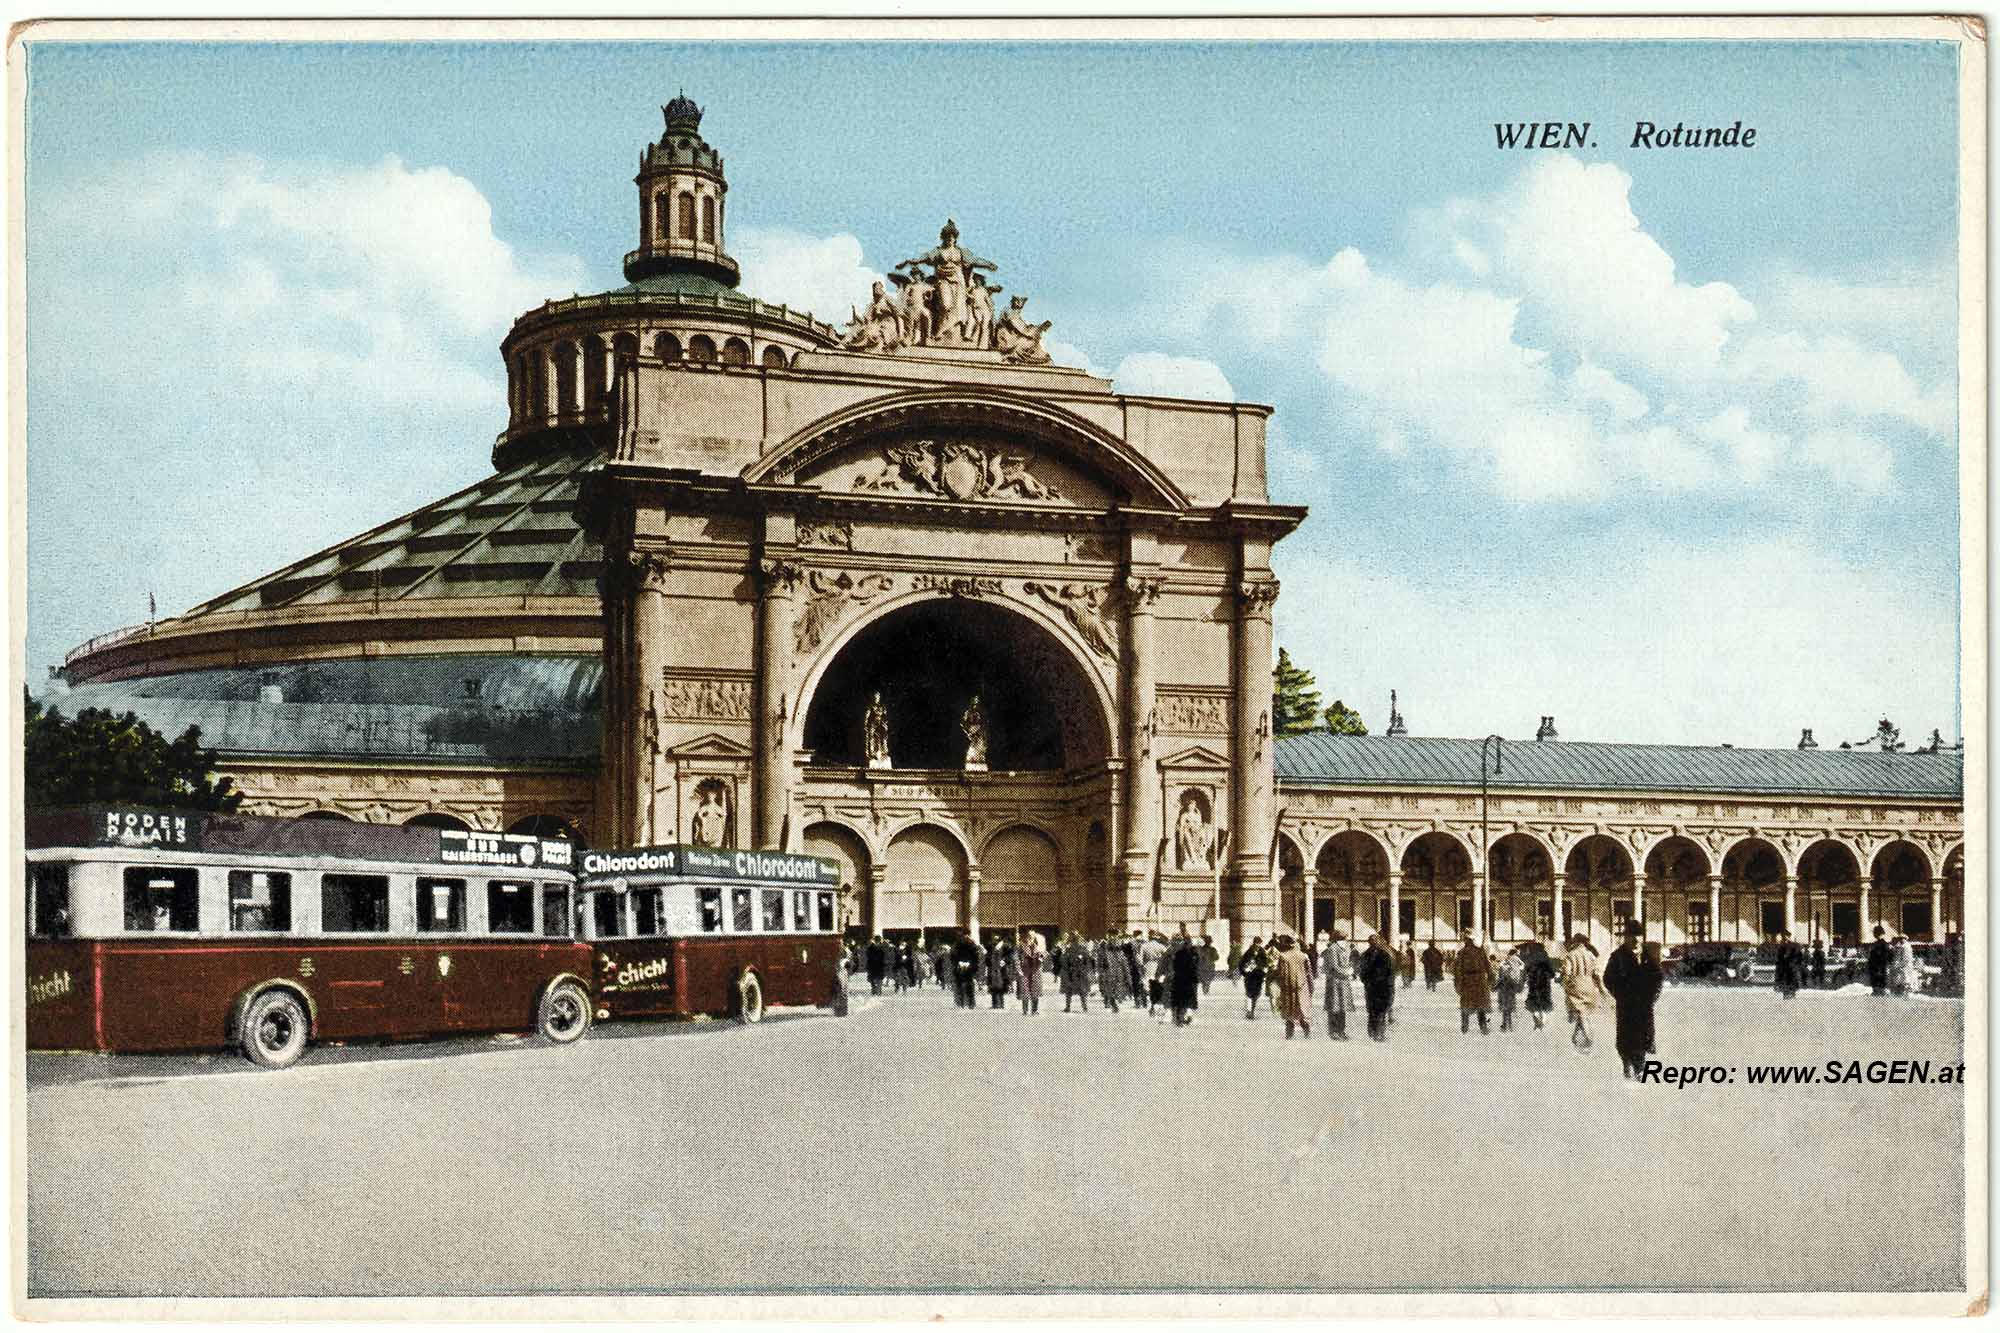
(1344, 721)
(100, 756)
(1294, 702)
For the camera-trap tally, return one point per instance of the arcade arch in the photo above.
(1904, 900)
(1520, 888)
(1437, 887)
(1351, 884)
(1599, 895)
(1021, 882)
(1676, 902)
(1829, 894)
(839, 843)
(924, 883)
(1753, 891)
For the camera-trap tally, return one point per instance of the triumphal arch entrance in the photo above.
(993, 635)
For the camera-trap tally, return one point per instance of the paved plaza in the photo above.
(914, 1146)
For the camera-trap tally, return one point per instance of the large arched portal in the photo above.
(928, 662)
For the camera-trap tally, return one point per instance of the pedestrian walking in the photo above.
(1903, 973)
(1790, 973)
(1472, 977)
(1507, 984)
(1235, 955)
(1336, 970)
(1541, 974)
(1409, 963)
(1377, 970)
(1433, 966)
(965, 972)
(1135, 969)
(1075, 973)
(1209, 958)
(1879, 957)
(1028, 960)
(1252, 967)
(1818, 965)
(1184, 979)
(1155, 953)
(1291, 985)
(1633, 980)
(999, 962)
(1114, 974)
(878, 964)
(1583, 987)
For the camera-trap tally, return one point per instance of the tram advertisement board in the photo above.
(713, 863)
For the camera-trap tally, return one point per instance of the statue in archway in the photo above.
(881, 329)
(875, 733)
(709, 825)
(1194, 840)
(973, 724)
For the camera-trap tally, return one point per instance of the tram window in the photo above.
(555, 911)
(260, 900)
(802, 910)
(826, 911)
(440, 904)
(162, 898)
(350, 903)
(608, 915)
(740, 910)
(510, 907)
(711, 911)
(50, 885)
(774, 909)
(646, 912)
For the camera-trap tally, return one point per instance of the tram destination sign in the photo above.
(713, 863)
(503, 849)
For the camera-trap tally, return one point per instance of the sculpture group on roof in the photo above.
(943, 300)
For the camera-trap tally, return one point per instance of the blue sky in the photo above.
(1660, 441)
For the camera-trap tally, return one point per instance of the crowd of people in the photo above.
(1152, 973)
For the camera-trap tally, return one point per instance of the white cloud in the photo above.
(1780, 634)
(822, 274)
(1172, 377)
(1851, 458)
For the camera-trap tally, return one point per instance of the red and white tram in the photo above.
(169, 931)
(680, 931)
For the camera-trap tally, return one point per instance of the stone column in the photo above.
(1715, 907)
(1251, 749)
(877, 875)
(1638, 897)
(1479, 906)
(972, 878)
(1791, 903)
(1142, 770)
(777, 581)
(1556, 880)
(1937, 910)
(1867, 921)
(1395, 930)
(646, 602)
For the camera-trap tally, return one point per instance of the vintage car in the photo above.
(1716, 963)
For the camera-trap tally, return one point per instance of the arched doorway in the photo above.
(841, 844)
(1902, 896)
(1677, 908)
(1020, 883)
(1292, 902)
(546, 826)
(1954, 892)
(1521, 885)
(928, 661)
(1829, 895)
(1599, 898)
(431, 819)
(1753, 891)
(1437, 886)
(1351, 877)
(923, 884)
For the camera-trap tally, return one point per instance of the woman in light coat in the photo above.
(1507, 986)
(1583, 987)
(1336, 970)
(1902, 967)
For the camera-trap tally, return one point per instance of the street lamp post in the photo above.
(1484, 889)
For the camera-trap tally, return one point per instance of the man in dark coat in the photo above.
(965, 972)
(1184, 978)
(1472, 975)
(1818, 964)
(1433, 966)
(1541, 980)
(1377, 970)
(1790, 973)
(1879, 954)
(878, 963)
(1252, 966)
(1634, 981)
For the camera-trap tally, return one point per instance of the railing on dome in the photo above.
(733, 304)
(102, 641)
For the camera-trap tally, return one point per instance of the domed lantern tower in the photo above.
(680, 306)
(681, 194)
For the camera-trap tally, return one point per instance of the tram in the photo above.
(174, 931)
(682, 931)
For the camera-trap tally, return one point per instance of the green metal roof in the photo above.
(473, 707)
(1321, 759)
(510, 535)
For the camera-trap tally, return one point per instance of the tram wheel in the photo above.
(564, 1013)
(274, 1030)
(749, 998)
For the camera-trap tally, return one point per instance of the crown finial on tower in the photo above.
(682, 114)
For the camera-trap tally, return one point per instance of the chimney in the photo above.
(1396, 727)
(1547, 731)
(1806, 742)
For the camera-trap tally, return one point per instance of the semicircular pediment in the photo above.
(968, 448)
